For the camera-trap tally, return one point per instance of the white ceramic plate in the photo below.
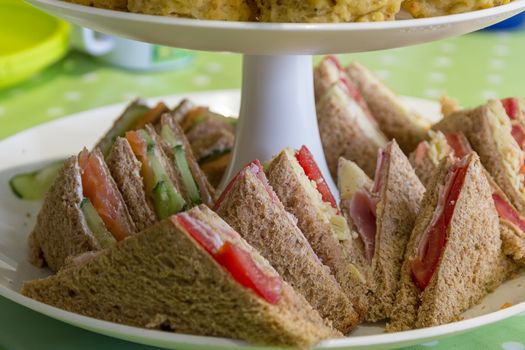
(63, 137)
(277, 38)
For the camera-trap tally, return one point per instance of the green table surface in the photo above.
(471, 68)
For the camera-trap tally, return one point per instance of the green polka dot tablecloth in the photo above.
(470, 68)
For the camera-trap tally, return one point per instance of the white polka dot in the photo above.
(494, 78)
(382, 74)
(443, 61)
(214, 67)
(72, 95)
(129, 95)
(497, 64)
(503, 36)
(430, 344)
(201, 80)
(512, 345)
(432, 93)
(437, 77)
(501, 50)
(488, 94)
(388, 59)
(447, 47)
(2, 110)
(90, 77)
(55, 111)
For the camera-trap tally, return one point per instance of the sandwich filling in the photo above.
(515, 113)
(433, 239)
(101, 206)
(313, 182)
(441, 145)
(159, 188)
(508, 213)
(363, 206)
(237, 261)
(135, 117)
(179, 155)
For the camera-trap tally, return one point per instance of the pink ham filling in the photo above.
(507, 212)
(256, 169)
(363, 208)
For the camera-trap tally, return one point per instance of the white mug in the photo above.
(129, 54)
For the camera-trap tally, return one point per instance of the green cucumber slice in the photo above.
(167, 135)
(185, 172)
(128, 118)
(34, 185)
(167, 199)
(96, 225)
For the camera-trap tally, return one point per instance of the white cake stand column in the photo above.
(277, 111)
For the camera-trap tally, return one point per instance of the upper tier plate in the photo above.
(277, 38)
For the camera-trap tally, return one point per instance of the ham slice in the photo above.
(507, 212)
(433, 240)
(511, 106)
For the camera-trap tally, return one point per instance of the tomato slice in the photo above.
(140, 149)
(97, 187)
(455, 142)
(363, 213)
(151, 116)
(518, 133)
(511, 105)
(307, 162)
(238, 262)
(434, 238)
(507, 212)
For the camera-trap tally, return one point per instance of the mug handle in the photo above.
(91, 42)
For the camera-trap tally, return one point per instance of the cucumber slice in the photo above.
(167, 199)
(167, 135)
(128, 118)
(96, 225)
(34, 185)
(185, 172)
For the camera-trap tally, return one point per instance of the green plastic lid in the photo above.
(30, 40)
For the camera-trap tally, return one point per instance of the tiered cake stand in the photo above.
(277, 111)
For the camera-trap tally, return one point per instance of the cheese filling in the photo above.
(325, 212)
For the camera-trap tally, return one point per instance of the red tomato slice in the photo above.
(307, 162)
(456, 143)
(103, 196)
(244, 270)
(140, 149)
(363, 213)
(434, 238)
(507, 212)
(511, 105)
(238, 262)
(518, 133)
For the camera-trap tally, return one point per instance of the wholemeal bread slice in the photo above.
(206, 190)
(488, 129)
(323, 226)
(252, 208)
(162, 278)
(396, 194)
(125, 169)
(346, 126)
(61, 229)
(470, 264)
(395, 119)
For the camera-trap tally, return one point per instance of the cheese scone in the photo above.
(229, 10)
(121, 5)
(326, 10)
(432, 8)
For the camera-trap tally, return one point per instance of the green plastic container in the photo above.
(30, 40)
